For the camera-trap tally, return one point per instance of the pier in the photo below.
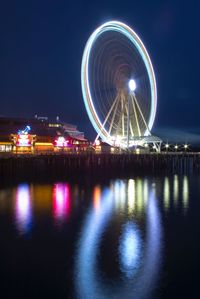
(78, 165)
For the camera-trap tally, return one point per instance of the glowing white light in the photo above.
(132, 85)
(97, 142)
(137, 151)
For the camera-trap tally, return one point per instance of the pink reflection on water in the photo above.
(23, 209)
(61, 201)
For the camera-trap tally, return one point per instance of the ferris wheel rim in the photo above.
(128, 32)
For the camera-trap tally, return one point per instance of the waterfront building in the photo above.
(42, 135)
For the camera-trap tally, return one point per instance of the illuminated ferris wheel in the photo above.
(118, 85)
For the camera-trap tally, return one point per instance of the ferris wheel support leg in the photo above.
(109, 112)
(138, 106)
(157, 146)
(136, 118)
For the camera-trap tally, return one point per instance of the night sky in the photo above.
(41, 46)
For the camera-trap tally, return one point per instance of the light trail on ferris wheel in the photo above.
(118, 85)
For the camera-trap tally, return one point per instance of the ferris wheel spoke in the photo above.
(138, 106)
(123, 101)
(114, 114)
(106, 119)
(130, 124)
(136, 117)
(119, 121)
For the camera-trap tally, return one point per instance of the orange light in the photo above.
(96, 197)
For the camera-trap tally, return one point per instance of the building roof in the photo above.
(39, 125)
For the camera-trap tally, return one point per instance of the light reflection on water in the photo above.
(120, 226)
(139, 264)
(178, 185)
(131, 196)
(130, 249)
(61, 202)
(185, 193)
(176, 189)
(97, 197)
(166, 194)
(23, 209)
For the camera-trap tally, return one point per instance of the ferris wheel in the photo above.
(118, 85)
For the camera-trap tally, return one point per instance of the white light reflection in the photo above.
(152, 258)
(116, 193)
(145, 191)
(88, 280)
(130, 249)
(176, 189)
(131, 196)
(23, 209)
(122, 194)
(140, 202)
(166, 193)
(185, 193)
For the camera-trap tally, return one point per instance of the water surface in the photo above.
(126, 238)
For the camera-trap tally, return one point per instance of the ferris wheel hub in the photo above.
(132, 85)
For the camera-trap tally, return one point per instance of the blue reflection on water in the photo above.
(139, 264)
(130, 249)
(95, 224)
(152, 255)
